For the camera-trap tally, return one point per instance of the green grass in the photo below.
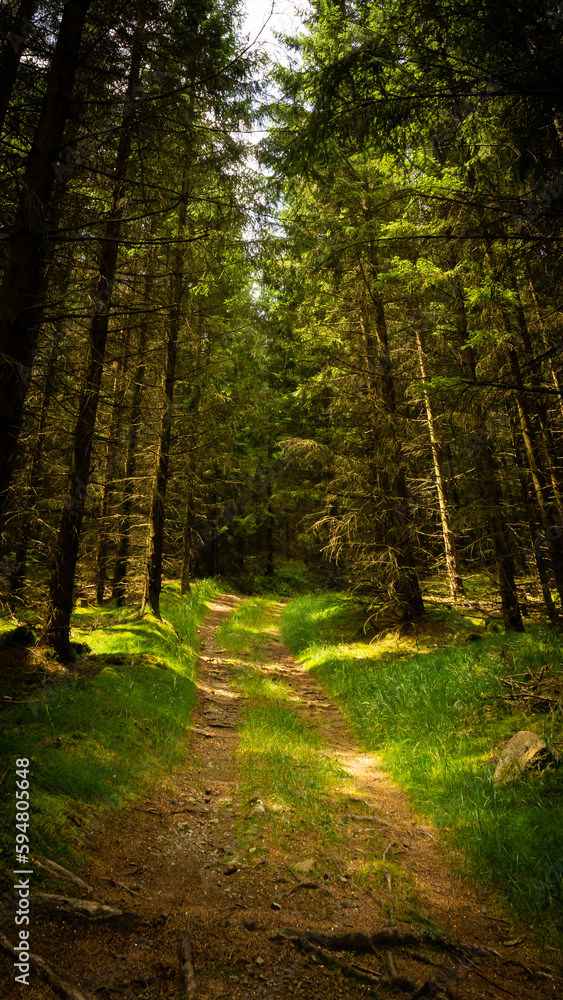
(248, 625)
(321, 618)
(95, 741)
(281, 759)
(435, 719)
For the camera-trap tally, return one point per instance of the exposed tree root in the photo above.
(391, 937)
(59, 872)
(348, 970)
(43, 971)
(315, 942)
(86, 908)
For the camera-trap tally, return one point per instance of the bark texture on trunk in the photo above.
(26, 529)
(452, 562)
(111, 464)
(119, 582)
(487, 472)
(12, 53)
(155, 540)
(57, 626)
(405, 588)
(23, 286)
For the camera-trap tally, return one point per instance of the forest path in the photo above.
(198, 856)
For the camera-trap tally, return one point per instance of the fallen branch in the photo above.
(202, 732)
(44, 972)
(59, 872)
(85, 908)
(187, 974)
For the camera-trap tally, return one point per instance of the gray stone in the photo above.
(525, 752)
(304, 867)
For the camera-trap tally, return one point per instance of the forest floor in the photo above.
(198, 857)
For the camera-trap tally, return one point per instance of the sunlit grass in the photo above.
(249, 624)
(254, 684)
(281, 759)
(282, 763)
(437, 720)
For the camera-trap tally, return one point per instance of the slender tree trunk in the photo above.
(487, 471)
(452, 562)
(557, 382)
(186, 546)
(57, 627)
(541, 489)
(550, 453)
(23, 286)
(155, 543)
(17, 578)
(12, 53)
(108, 486)
(536, 536)
(270, 517)
(119, 582)
(406, 586)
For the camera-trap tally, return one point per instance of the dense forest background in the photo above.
(340, 347)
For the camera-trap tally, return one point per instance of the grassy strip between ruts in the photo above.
(281, 758)
(437, 721)
(95, 740)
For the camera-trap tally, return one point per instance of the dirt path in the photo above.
(179, 862)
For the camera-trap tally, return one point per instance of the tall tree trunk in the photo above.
(557, 381)
(23, 286)
(485, 462)
(548, 500)
(119, 582)
(108, 486)
(406, 585)
(155, 542)
(550, 524)
(270, 517)
(12, 53)
(57, 626)
(186, 546)
(550, 452)
(487, 472)
(17, 578)
(536, 536)
(452, 562)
